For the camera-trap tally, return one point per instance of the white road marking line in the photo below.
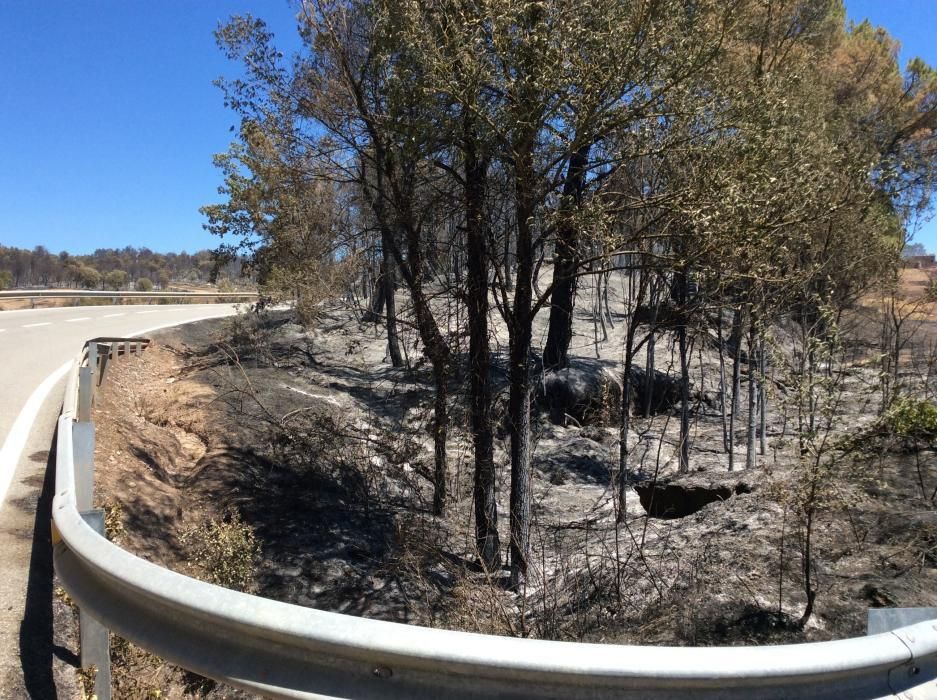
(154, 311)
(114, 315)
(19, 432)
(75, 320)
(34, 325)
(2, 330)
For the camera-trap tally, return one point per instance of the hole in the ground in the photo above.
(672, 500)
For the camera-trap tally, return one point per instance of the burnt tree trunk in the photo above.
(486, 512)
(388, 282)
(439, 355)
(388, 286)
(636, 297)
(624, 465)
(506, 261)
(752, 396)
(651, 350)
(680, 282)
(723, 404)
(440, 435)
(412, 269)
(736, 380)
(807, 565)
(606, 276)
(374, 314)
(520, 381)
(565, 263)
(762, 398)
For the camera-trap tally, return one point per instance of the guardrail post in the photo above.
(85, 393)
(95, 638)
(83, 450)
(93, 360)
(103, 357)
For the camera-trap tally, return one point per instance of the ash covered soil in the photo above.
(312, 442)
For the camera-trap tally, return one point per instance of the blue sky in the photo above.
(109, 119)
(914, 24)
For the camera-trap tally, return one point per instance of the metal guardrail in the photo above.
(21, 295)
(287, 651)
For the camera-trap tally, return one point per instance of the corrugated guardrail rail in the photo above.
(287, 651)
(33, 295)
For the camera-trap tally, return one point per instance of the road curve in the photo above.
(36, 348)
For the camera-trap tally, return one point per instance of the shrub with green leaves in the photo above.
(226, 550)
(912, 419)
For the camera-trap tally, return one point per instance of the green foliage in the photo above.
(226, 551)
(115, 279)
(912, 419)
(6, 279)
(144, 284)
(88, 277)
(287, 225)
(39, 267)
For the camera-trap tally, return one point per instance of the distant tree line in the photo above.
(109, 268)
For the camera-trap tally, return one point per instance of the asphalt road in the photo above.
(36, 349)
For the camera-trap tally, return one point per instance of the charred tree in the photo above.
(486, 512)
(565, 264)
(390, 187)
(388, 287)
(651, 349)
(637, 298)
(736, 342)
(681, 297)
(752, 395)
(520, 377)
